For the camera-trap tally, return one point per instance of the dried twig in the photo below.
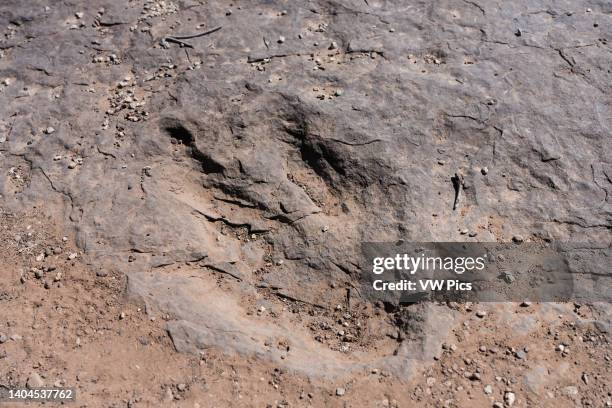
(178, 39)
(189, 37)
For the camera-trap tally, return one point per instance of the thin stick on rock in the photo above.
(188, 37)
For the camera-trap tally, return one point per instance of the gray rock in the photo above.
(277, 159)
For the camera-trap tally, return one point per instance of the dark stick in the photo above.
(188, 37)
(177, 41)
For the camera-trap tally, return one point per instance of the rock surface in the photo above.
(265, 163)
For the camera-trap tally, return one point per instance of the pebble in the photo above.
(520, 354)
(72, 255)
(498, 405)
(449, 347)
(181, 387)
(281, 39)
(340, 391)
(484, 171)
(338, 92)
(474, 376)
(464, 231)
(481, 313)
(49, 130)
(570, 390)
(34, 381)
(3, 338)
(518, 238)
(509, 277)
(509, 398)
(333, 45)
(525, 303)
(169, 395)
(488, 389)
(79, 15)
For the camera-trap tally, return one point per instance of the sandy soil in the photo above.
(73, 328)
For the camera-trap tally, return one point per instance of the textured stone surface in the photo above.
(311, 149)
